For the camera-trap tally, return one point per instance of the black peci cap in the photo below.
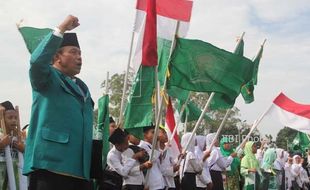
(70, 39)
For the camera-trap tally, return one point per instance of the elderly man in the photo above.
(59, 141)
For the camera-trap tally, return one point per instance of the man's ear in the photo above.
(56, 58)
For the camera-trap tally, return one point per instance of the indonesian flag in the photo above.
(170, 125)
(168, 13)
(291, 114)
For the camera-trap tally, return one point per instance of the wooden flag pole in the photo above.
(201, 117)
(220, 128)
(254, 126)
(159, 112)
(154, 142)
(23, 183)
(121, 116)
(8, 157)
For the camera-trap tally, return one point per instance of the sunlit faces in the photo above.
(68, 60)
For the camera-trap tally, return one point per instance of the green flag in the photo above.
(247, 90)
(33, 36)
(191, 111)
(139, 109)
(163, 49)
(300, 143)
(222, 101)
(199, 66)
(103, 125)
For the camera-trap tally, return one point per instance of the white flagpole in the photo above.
(220, 128)
(158, 115)
(23, 183)
(120, 120)
(201, 117)
(254, 126)
(8, 157)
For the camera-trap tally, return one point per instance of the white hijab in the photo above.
(209, 139)
(185, 139)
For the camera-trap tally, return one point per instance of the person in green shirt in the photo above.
(232, 173)
(250, 167)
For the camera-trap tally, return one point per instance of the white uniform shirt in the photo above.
(217, 161)
(135, 175)
(166, 166)
(156, 180)
(115, 163)
(204, 178)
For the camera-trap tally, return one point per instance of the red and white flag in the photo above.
(168, 13)
(170, 126)
(291, 114)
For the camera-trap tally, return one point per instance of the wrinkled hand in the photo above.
(69, 23)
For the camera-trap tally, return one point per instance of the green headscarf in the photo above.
(269, 157)
(249, 160)
(236, 161)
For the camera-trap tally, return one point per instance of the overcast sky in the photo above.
(105, 32)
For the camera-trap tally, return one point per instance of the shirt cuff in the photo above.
(58, 33)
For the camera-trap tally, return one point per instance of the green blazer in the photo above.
(60, 131)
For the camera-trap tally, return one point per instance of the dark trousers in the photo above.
(217, 180)
(45, 180)
(133, 187)
(188, 181)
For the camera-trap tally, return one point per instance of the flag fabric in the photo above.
(149, 47)
(291, 114)
(192, 112)
(222, 101)
(139, 109)
(103, 121)
(247, 90)
(300, 143)
(168, 14)
(199, 66)
(170, 123)
(33, 36)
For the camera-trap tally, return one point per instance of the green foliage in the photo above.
(285, 137)
(115, 86)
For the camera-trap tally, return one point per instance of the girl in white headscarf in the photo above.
(191, 165)
(217, 162)
(279, 168)
(204, 179)
(299, 174)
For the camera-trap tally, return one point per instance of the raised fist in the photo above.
(69, 23)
